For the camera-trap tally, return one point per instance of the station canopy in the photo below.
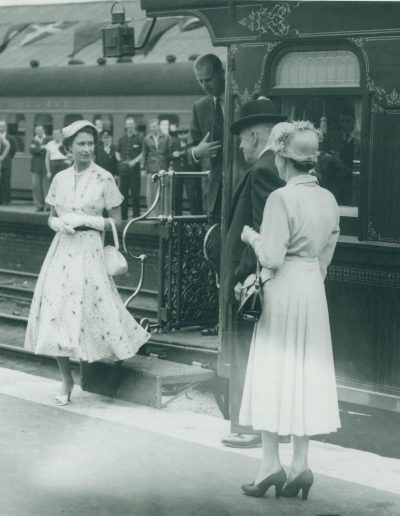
(55, 34)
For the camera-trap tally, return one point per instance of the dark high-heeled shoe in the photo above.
(303, 481)
(276, 479)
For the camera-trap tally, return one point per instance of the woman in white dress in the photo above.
(76, 311)
(290, 385)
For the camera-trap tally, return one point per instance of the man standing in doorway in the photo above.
(40, 180)
(6, 163)
(205, 151)
(129, 154)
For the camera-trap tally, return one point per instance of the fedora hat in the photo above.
(255, 112)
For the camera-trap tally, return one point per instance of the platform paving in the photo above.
(103, 457)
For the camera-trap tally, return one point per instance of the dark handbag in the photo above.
(251, 298)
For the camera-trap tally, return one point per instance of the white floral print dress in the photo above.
(76, 309)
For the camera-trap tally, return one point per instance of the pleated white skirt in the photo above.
(290, 385)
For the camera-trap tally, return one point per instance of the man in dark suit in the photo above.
(105, 153)
(253, 126)
(129, 156)
(205, 151)
(5, 169)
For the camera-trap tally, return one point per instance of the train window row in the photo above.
(17, 124)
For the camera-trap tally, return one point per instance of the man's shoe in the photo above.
(210, 332)
(242, 441)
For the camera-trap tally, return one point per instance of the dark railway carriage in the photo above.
(55, 97)
(335, 63)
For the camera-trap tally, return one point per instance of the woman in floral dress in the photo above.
(76, 311)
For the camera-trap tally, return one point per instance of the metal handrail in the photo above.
(143, 257)
(206, 256)
(162, 218)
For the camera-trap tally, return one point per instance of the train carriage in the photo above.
(55, 97)
(335, 63)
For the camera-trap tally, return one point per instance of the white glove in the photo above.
(238, 290)
(75, 219)
(59, 226)
(249, 236)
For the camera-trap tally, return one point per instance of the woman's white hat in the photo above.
(73, 128)
(300, 143)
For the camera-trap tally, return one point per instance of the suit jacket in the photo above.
(38, 155)
(6, 164)
(202, 122)
(106, 160)
(156, 157)
(247, 209)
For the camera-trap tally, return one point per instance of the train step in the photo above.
(145, 380)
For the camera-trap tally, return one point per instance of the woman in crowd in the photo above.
(290, 385)
(76, 311)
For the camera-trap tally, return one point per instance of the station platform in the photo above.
(25, 238)
(23, 212)
(100, 456)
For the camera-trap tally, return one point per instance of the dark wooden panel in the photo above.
(384, 183)
(267, 21)
(363, 293)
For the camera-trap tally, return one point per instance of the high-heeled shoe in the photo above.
(303, 481)
(276, 479)
(63, 399)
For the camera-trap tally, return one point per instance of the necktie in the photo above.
(218, 123)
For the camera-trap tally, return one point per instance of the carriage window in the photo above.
(304, 82)
(72, 117)
(339, 119)
(46, 121)
(16, 126)
(103, 123)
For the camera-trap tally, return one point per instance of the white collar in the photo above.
(262, 152)
(221, 98)
(302, 179)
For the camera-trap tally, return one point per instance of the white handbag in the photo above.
(116, 263)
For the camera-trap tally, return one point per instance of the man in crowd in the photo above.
(129, 155)
(57, 158)
(6, 141)
(40, 180)
(156, 157)
(253, 126)
(192, 185)
(105, 153)
(99, 125)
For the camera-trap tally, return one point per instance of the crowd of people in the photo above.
(130, 159)
(282, 380)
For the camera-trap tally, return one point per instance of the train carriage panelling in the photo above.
(32, 96)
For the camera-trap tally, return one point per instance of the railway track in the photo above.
(16, 292)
